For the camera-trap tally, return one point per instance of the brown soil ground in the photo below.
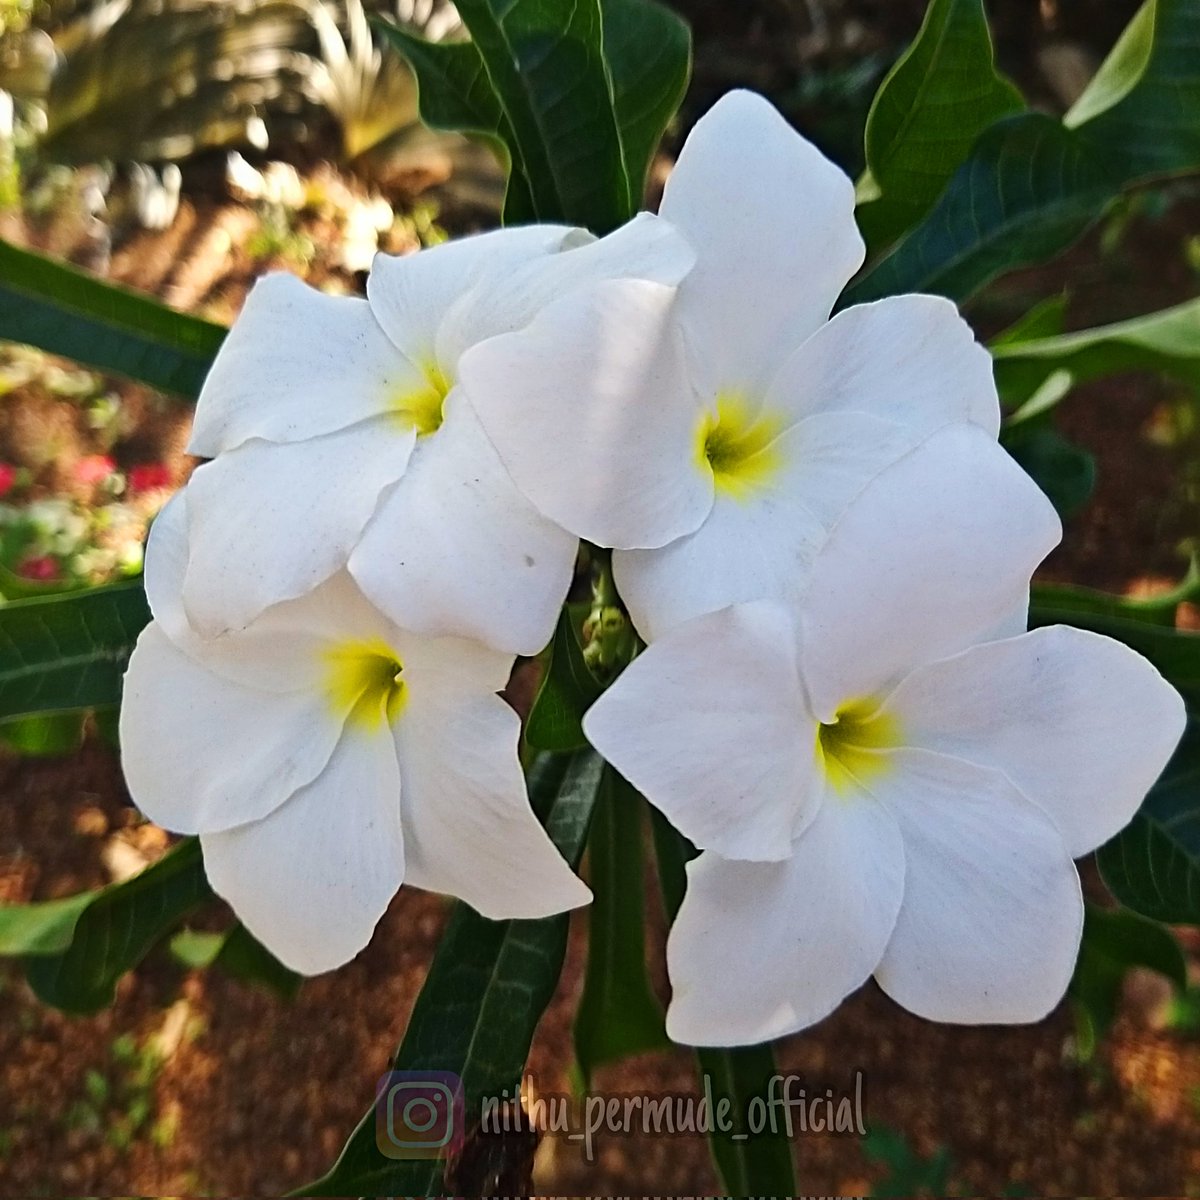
(255, 1095)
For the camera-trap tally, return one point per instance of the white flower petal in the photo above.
(468, 827)
(910, 359)
(591, 412)
(710, 724)
(760, 950)
(772, 256)
(992, 913)
(933, 554)
(740, 553)
(1080, 723)
(166, 567)
(762, 545)
(456, 549)
(412, 295)
(268, 523)
(646, 248)
(312, 880)
(297, 364)
(202, 753)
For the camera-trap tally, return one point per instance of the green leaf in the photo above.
(648, 51)
(454, 93)
(1028, 189)
(237, 952)
(486, 990)
(50, 736)
(1166, 342)
(244, 957)
(1031, 185)
(579, 98)
(115, 930)
(619, 1015)
(62, 310)
(910, 1173)
(195, 949)
(68, 652)
(1143, 107)
(1067, 600)
(1153, 865)
(44, 927)
(568, 690)
(938, 98)
(1113, 942)
(546, 65)
(1175, 652)
(749, 1165)
(1064, 471)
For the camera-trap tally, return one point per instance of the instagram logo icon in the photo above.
(419, 1114)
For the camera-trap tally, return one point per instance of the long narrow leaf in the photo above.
(618, 1015)
(68, 652)
(62, 310)
(115, 930)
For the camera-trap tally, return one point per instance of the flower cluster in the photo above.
(813, 528)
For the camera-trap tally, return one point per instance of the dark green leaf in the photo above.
(648, 50)
(941, 95)
(115, 930)
(1142, 110)
(485, 992)
(68, 652)
(1046, 319)
(1113, 942)
(454, 93)
(64, 311)
(1064, 471)
(568, 690)
(1153, 865)
(910, 1173)
(546, 65)
(1029, 189)
(244, 957)
(750, 1165)
(619, 1014)
(578, 97)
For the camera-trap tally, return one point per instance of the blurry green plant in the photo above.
(153, 80)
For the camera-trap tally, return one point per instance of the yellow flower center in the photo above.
(738, 446)
(421, 408)
(849, 747)
(364, 682)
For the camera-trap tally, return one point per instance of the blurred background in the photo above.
(184, 147)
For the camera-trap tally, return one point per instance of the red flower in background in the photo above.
(8, 476)
(147, 477)
(41, 569)
(94, 468)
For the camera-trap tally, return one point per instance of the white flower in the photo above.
(713, 434)
(335, 427)
(894, 779)
(325, 756)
